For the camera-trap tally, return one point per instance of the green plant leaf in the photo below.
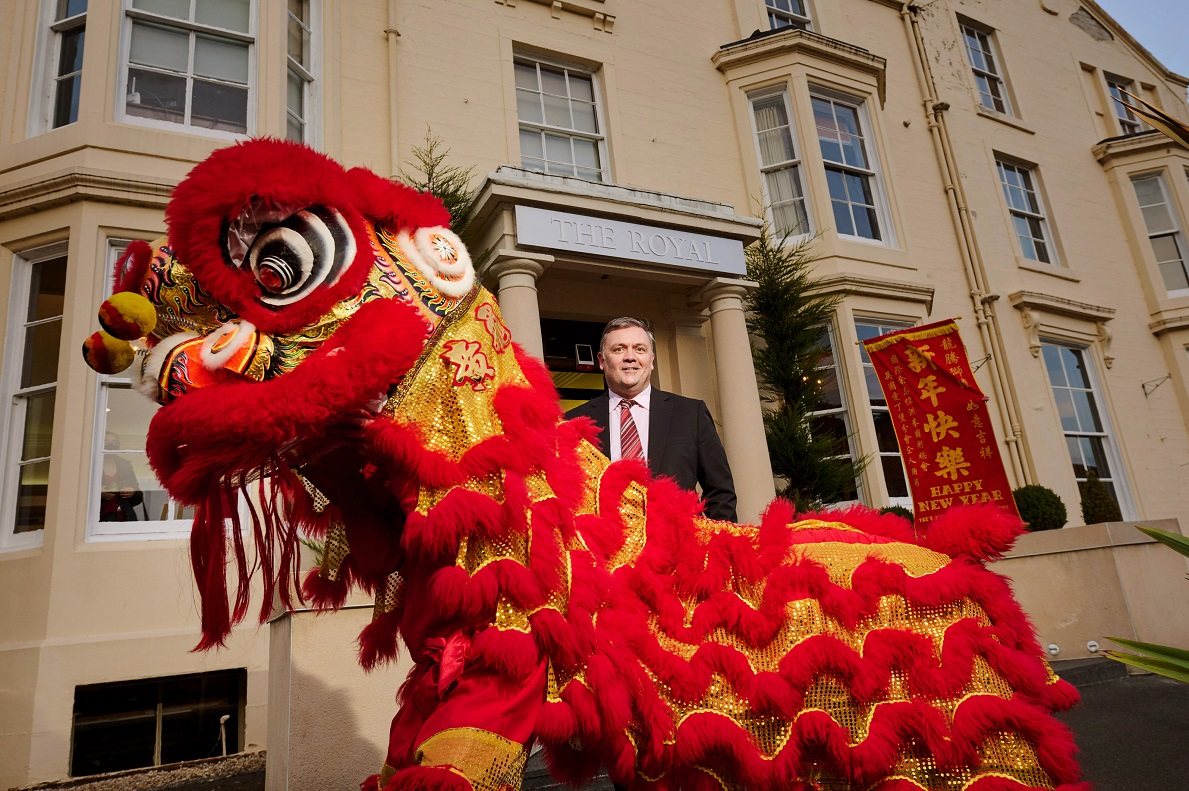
(1152, 649)
(1172, 540)
(1168, 669)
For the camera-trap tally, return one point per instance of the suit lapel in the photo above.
(660, 412)
(600, 406)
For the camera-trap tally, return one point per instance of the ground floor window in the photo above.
(154, 721)
(890, 461)
(1087, 433)
(831, 414)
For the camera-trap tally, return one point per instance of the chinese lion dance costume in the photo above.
(546, 594)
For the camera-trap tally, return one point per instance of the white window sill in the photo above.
(164, 534)
(183, 129)
(1052, 270)
(1003, 118)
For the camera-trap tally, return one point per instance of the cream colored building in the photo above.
(952, 158)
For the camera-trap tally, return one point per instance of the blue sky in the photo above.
(1162, 26)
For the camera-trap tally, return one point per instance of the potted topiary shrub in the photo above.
(1097, 505)
(1040, 507)
(898, 510)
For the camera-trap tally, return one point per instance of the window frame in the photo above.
(886, 325)
(994, 53)
(308, 74)
(599, 137)
(843, 411)
(143, 530)
(1111, 449)
(1177, 232)
(873, 172)
(798, 162)
(46, 79)
(129, 15)
(1121, 107)
(1034, 187)
(791, 18)
(237, 676)
(14, 395)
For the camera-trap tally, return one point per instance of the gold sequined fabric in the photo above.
(489, 761)
(390, 596)
(334, 551)
(455, 416)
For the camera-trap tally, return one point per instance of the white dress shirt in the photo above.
(639, 415)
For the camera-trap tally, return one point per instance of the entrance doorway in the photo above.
(571, 355)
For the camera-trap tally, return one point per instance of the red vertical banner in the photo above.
(941, 420)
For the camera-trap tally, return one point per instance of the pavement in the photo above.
(1133, 731)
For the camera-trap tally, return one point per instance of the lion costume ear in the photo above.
(440, 257)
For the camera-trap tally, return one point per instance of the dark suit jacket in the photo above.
(682, 445)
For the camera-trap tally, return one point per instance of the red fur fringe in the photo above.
(131, 267)
(202, 451)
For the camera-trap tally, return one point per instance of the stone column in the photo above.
(517, 278)
(739, 397)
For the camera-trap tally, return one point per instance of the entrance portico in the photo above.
(568, 250)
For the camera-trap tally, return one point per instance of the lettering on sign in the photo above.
(596, 236)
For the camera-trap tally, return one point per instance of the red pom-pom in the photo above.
(107, 354)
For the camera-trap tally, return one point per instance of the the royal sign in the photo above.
(628, 241)
(941, 420)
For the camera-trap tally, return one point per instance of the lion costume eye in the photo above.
(291, 253)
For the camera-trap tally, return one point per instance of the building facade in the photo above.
(956, 158)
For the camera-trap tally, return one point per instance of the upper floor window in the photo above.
(300, 80)
(1087, 434)
(57, 78)
(787, 13)
(986, 66)
(850, 169)
(70, 27)
(890, 460)
(30, 385)
(1026, 209)
(190, 62)
(560, 128)
(1129, 122)
(780, 165)
(1164, 232)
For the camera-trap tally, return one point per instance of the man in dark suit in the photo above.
(674, 434)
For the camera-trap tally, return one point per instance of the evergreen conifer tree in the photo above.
(788, 323)
(431, 172)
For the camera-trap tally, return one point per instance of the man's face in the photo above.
(627, 361)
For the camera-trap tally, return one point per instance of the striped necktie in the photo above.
(629, 437)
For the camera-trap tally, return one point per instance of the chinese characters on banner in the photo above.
(941, 420)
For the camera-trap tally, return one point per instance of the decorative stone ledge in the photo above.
(870, 286)
(77, 185)
(1033, 305)
(1083, 537)
(766, 45)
